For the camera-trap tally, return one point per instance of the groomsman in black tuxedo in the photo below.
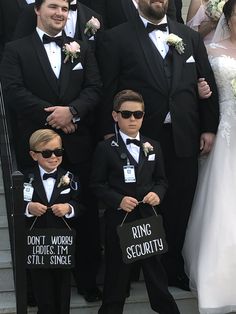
(51, 81)
(79, 15)
(116, 12)
(9, 12)
(136, 55)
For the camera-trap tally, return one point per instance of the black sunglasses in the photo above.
(126, 114)
(58, 152)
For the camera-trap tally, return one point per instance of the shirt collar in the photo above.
(41, 33)
(42, 171)
(145, 21)
(125, 136)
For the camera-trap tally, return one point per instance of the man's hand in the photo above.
(206, 142)
(60, 117)
(36, 209)
(61, 210)
(152, 199)
(128, 203)
(204, 90)
(70, 128)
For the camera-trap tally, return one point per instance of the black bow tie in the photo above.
(47, 39)
(133, 141)
(151, 27)
(50, 175)
(73, 7)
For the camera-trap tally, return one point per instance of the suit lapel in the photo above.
(152, 56)
(57, 190)
(22, 3)
(65, 72)
(178, 59)
(124, 153)
(44, 61)
(39, 188)
(80, 23)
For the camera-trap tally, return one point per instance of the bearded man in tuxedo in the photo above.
(140, 55)
(116, 12)
(49, 82)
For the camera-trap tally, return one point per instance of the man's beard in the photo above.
(151, 13)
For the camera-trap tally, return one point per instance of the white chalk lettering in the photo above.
(43, 249)
(35, 260)
(36, 240)
(62, 249)
(145, 248)
(60, 260)
(141, 231)
(62, 240)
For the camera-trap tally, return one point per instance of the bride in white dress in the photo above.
(210, 243)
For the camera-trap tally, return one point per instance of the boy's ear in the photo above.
(114, 115)
(33, 155)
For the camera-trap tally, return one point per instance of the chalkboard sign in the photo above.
(142, 238)
(50, 248)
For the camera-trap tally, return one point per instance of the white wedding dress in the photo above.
(210, 244)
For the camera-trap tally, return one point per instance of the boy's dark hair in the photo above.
(126, 95)
(38, 3)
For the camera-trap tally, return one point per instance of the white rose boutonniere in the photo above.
(176, 42)
(147, 148)
(64, 180)
(92, 26)
(233, 85)
(71, 50)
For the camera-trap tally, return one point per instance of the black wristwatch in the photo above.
(73, 111)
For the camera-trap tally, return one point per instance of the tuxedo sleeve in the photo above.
(110, 67)
(100, 179)
(209, 108)
(17, 97)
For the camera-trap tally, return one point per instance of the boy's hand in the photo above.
(204, 90)
(152, 199)
(128, 203)
(60, 210)
(37, 209)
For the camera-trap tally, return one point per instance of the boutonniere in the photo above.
(64, 180)
(176, 42)
(233, 85)
(71, 51)
(92, 26)
(147, 148)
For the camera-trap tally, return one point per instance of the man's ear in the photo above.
(33, 155)
(115, 116)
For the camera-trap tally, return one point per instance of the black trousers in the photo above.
(52, 289)
(117, 279)
(182, 179)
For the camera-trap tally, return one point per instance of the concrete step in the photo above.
(137, 303)
(6, 273)
(4, 234)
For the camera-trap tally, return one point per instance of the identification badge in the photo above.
(129, 174)
(28, 192)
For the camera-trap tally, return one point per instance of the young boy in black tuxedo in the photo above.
(51, 201)
(128, 169)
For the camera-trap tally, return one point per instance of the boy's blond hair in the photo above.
(42, 136)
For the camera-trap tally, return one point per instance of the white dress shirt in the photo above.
(30, 1)
(48, 187)
(71, 22)
(53, 51)
(133, 149)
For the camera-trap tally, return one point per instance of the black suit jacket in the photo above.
(28, 20)
(116, 12)
(9, 12)
(60, 195)
(30, 85)
(107, 179)
(129, 59)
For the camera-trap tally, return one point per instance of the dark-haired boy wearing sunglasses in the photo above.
(128, 173)
(51, 198)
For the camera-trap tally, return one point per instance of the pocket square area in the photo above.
(151, 157)
(78, 67)
(190, 59)
(66, 191)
